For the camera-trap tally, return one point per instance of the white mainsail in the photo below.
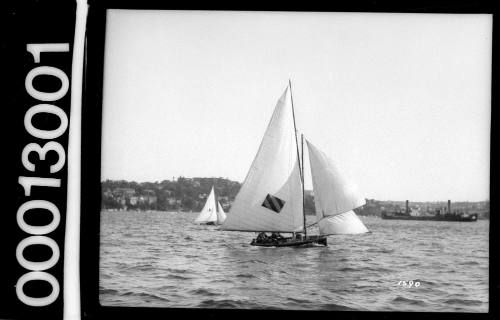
(209, 211)
(270, 198)
(221, 215)
(334, 196)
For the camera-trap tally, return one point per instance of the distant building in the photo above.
(123, 192)
(171, 201)
(133, 200)
(152, 199)
(107, 192)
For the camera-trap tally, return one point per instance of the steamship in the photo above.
(439, 215)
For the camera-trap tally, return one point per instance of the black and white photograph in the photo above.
(296, 160)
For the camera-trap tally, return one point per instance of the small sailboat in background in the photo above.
(212, 212)
(271, 198)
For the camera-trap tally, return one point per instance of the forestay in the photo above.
(270, 198)
(208, 213)
(334, 196)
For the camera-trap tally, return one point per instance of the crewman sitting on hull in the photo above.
(262, 237)
(276, 235)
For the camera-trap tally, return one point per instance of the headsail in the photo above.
(208, 213)
(270, 198)
(221, 215)
(344, 223)
(334, 196)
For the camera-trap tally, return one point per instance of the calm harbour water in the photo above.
(163, 259)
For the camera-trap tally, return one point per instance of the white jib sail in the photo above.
(221, 215)
(334, 196)
(344, 223)
(270, 198)
(208, 213)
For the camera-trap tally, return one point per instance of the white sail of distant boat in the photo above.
(209, 212)
(334, 196)
(221, 215)
(271, 198)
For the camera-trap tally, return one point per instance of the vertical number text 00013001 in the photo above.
(38, 234)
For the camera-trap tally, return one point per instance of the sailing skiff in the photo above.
(212, 212)
(271, 198)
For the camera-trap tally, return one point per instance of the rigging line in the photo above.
(303, 187)
(295, 128)
(312, 224)
(301, 165)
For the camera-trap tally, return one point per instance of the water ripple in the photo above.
(162, 259)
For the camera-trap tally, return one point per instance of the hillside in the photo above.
(190, 194)
(185, 194)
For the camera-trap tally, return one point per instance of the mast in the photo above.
(303, 187)
(298, 154)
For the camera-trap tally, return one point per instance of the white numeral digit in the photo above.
(45, 134)
(41, 276)
(40, 240)
(38, 204)
(42, 151)
(36, 48)
(48, 71)
(28, 182)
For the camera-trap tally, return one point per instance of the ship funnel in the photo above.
(407, 209)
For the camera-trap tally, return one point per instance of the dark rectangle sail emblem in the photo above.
(273, 203)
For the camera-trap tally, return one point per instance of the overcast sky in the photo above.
(400, 101)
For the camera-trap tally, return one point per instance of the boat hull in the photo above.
(470, 218)
(210, 223)
(291, 242)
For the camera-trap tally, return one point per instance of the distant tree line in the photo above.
(185, 194)
(190, 194)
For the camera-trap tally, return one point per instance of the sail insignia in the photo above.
(273, 203)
